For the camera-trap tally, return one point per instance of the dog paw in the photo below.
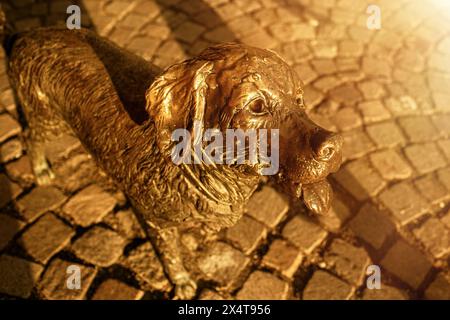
(185, 288)
(44, 176)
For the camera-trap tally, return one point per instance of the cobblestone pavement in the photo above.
(386, 90)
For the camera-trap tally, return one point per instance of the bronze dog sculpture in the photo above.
(123, 112)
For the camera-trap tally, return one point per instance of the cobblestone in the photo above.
(99, 246)
(348, 261)
(263, 286)
(432, 189)
(147, 267)
(8, 127)
(18, 276)
(20, 171)
(89, 206)
(407, 263)
(54, 283)
(267, 206)
(405, 203)
(372, 226)
(304, 233)
(8, 190)
(425, 157)
(385, 134)
(361, 189)
(223, 264)
(324, 286)
(9, 227)
(391, 165)
(435, 236)
(38, 201)
(10, 150)
(112, 289)
(246, 234)
(284, 257)
(439, 289)
(53, 235)
(385, 293)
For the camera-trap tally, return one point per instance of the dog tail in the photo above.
(7, 35)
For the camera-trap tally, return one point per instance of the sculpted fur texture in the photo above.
(124, 110)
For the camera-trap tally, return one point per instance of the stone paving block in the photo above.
(430, 187)
(347, 118)
(391, 165)
(223, 264)
(61, 147)
(283, 257)
(401, 106)
(8, 190)
(125, 223)
(9, 227)
(360, 179)
(441, 101)
(75, 173)
(304, 233)
(356, 144)
(57, 284)
(46, 237)
(289, 32)
(335, 218)
(328, 66)
(267, 206)
(425, 157)
(404, 202)
(372, 90)
(418, 129)
(407, 263)
(444, 145)
(18, 276)
(373, 111)
(441, 122)
(385, 134)
(144, 262)
(247, 233)
(99, 246)
(439, 289)
(20, 171)
(40, 200)
(305, 72)
(346, 94)
(112, 289)
(444, 177)
(207, 294)
(9, 127)
(435, 236)
(348, 261)
(385, 293)
(10, 150)
(350, 48)
(89, 206)
(372, 226)
(263, 286)
(324, 286)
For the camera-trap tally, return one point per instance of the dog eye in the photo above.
(258, 107)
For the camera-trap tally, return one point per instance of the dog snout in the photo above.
(326, 146)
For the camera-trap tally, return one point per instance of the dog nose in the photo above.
(326, 145)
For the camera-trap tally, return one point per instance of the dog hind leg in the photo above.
(44, 125)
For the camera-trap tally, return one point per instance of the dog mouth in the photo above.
(316, 196)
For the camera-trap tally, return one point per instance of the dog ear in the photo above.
(177, 99)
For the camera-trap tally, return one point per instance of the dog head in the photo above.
(233, 86)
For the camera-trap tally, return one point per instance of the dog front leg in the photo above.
(167, 242)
